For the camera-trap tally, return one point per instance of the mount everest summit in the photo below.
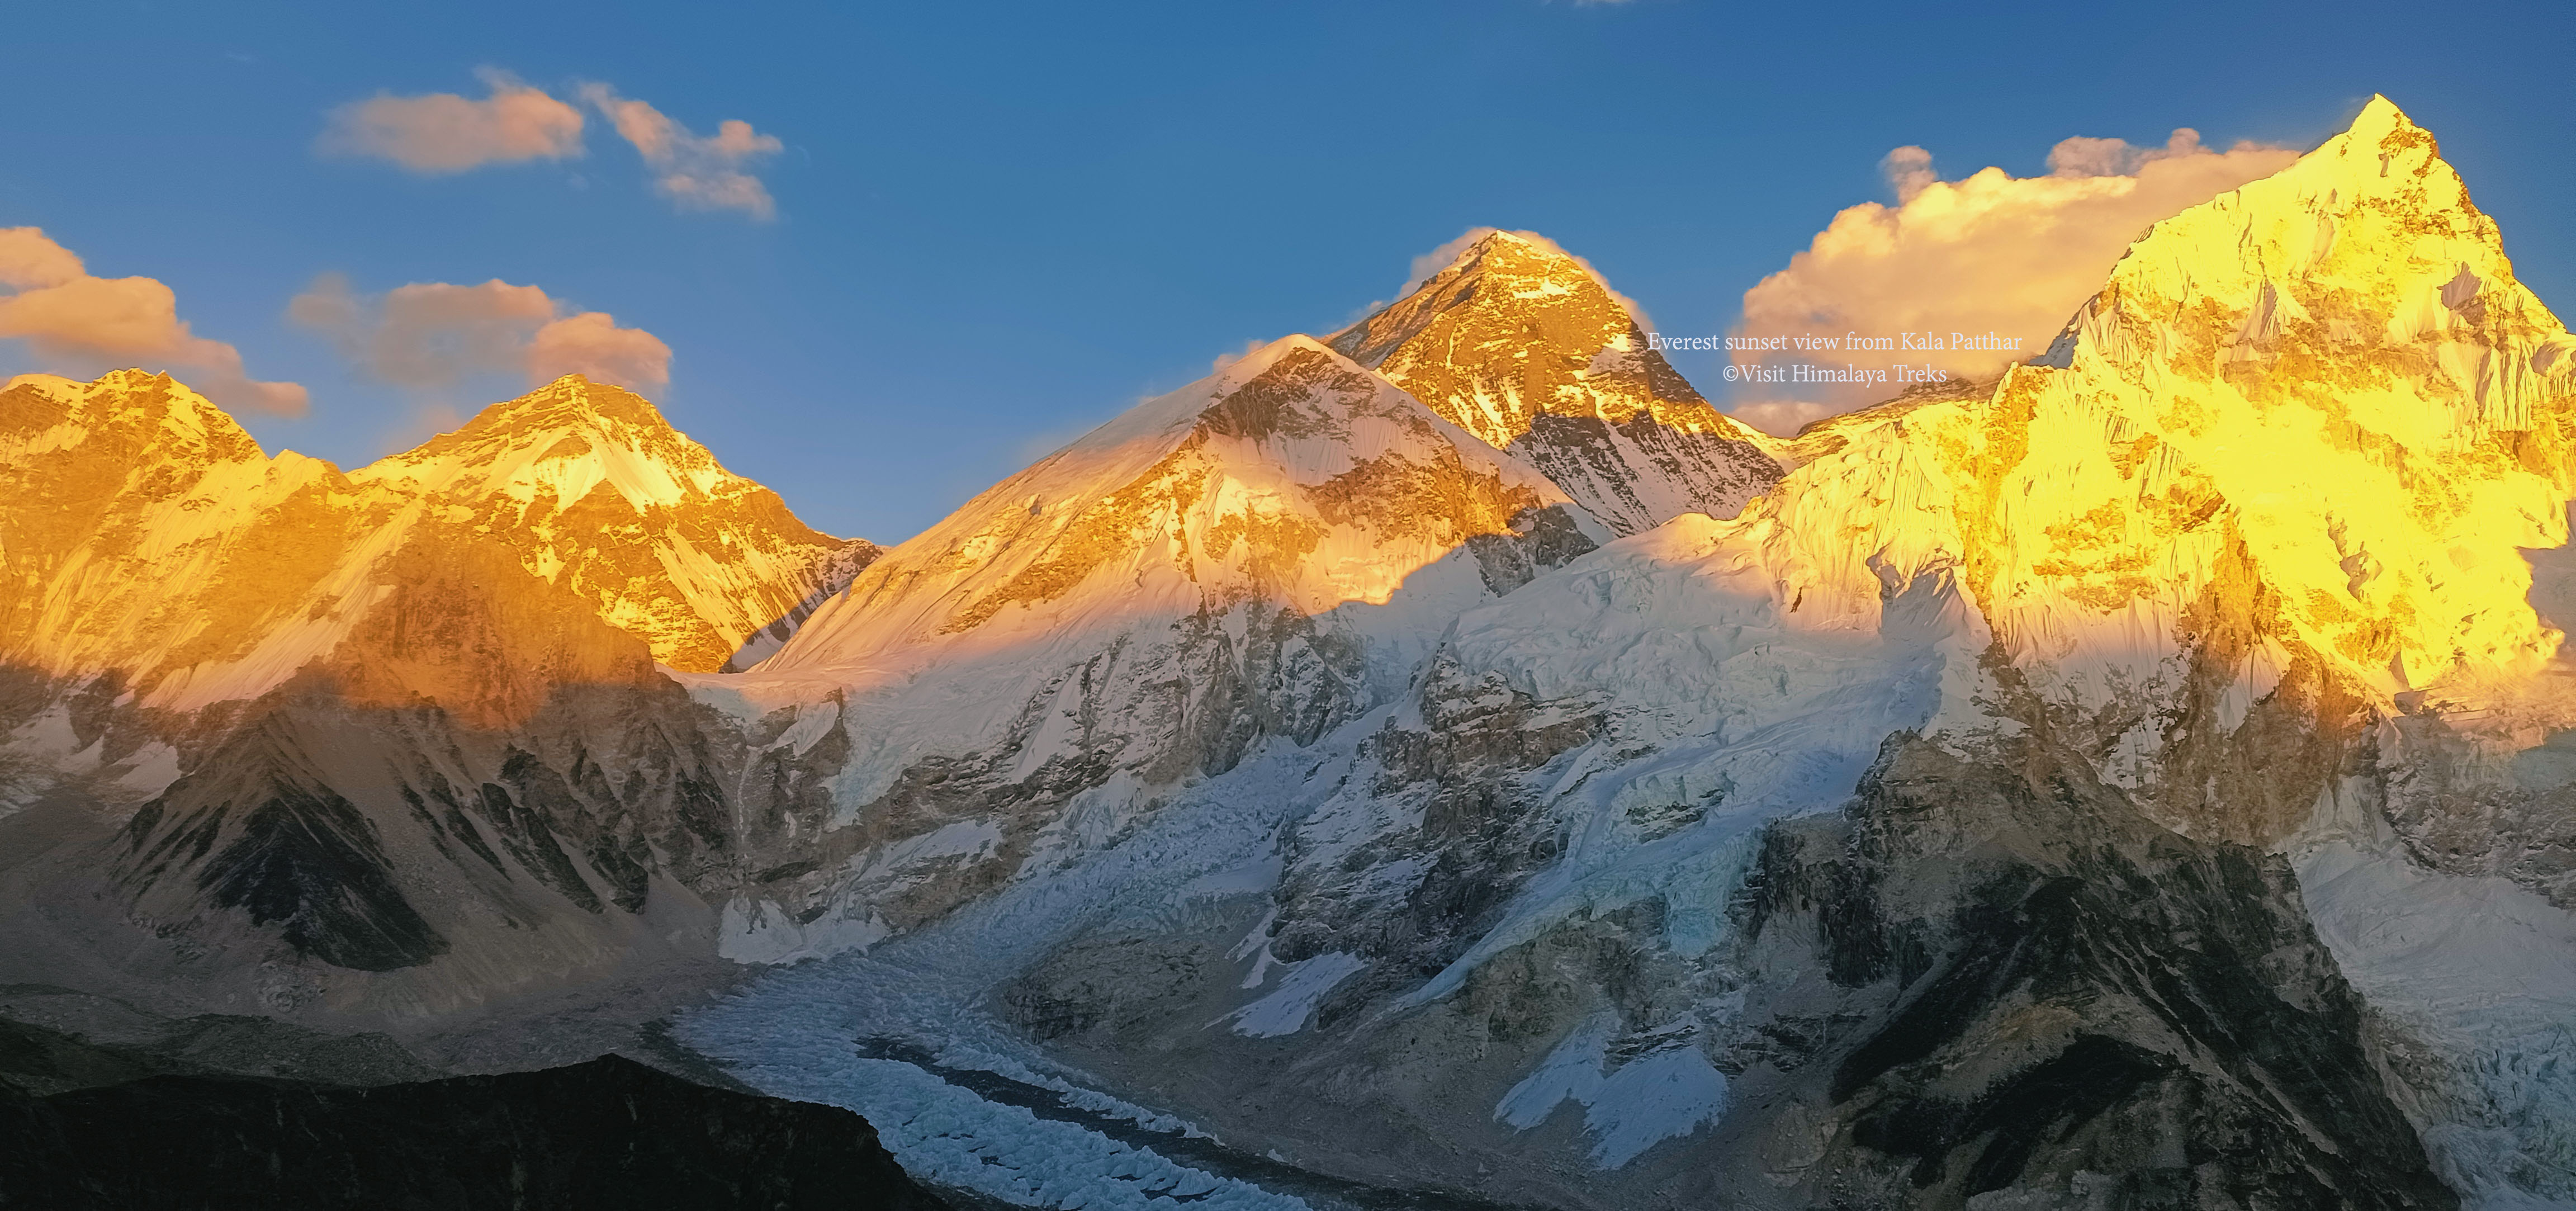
(1441, 763)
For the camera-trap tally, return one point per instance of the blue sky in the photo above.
(999, 224)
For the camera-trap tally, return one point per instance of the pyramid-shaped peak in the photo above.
(2379, 118)
(2366, 253)
(1508, 276)
(2382, 127)
(2382, 154)
(1521, 343)
(578, 396)
(571, 434)
(1513, 254)
(1520, 241)
(569, 402)
(140, 401)
(2372, 208)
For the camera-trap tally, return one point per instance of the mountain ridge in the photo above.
(2137, 781)
(2132, 634)
(1520, 343)
(699, 560)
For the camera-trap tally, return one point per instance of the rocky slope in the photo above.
(263, 714)
(1520, 344)
(1241, 561)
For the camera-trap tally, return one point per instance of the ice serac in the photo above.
(1520, 344)
(1258, 556)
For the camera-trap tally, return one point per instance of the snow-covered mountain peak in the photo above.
(1505, 297)
(2284, 466)
(2382, 144)
(1292, 474)
(1523, 345)
(702, 560)
(160, 544)
(565, 439)
(2359, 290)
(149, 535)
(1260, 556)
(160, 418)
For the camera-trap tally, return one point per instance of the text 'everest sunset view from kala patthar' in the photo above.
(1770, 672)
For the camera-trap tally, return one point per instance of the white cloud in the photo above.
(432, 334)
(696, 172)
(1991, 253)
(591, 344)
(443, 133)
(78, 323)
(1231, 356)
(1429, 264)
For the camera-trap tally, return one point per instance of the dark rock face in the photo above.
(298, 855)
(2046, 991)
(608, 1133)
(372, 837)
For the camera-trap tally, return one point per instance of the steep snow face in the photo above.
(1293, 475)
(1260, 554)
(598, 493)
(2336, 363)
(829, 577)
(153, 540)
(2278, 473)
(1519, 344)
(147, 535)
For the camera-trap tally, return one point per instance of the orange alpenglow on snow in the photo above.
(159, 543)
